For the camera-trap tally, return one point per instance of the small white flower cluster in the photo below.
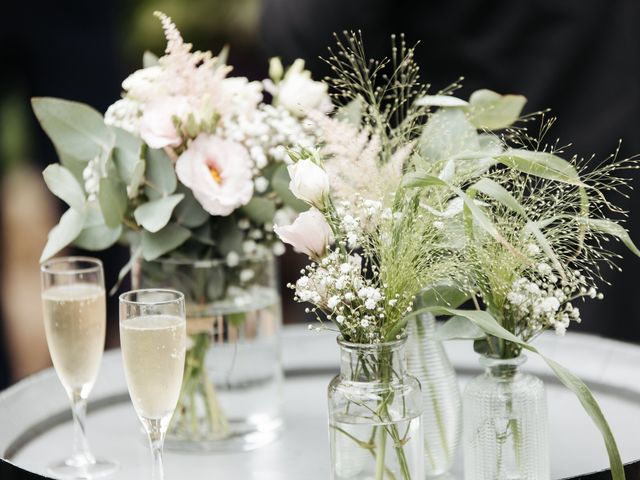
(92, 173)
(266, 133)
(360, 216)
(545, 302)
(347, 294)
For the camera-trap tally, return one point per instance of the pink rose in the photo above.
(218, 172)
(309, 233)
(156, 124)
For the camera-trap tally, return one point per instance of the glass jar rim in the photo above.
(177, 296)
(92, 265)
(487, 361)
(393, 344)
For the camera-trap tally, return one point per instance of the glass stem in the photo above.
(156, 440)
(81, 452)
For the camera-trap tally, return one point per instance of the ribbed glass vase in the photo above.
(441, 399)
(375, 408)
(505, 424)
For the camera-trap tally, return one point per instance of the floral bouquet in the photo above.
(437, 199)
(188, 166)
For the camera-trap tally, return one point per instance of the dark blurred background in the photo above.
(580, 58)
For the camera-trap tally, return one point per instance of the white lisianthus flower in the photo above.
(157, 128)
(309, 182)
(309, 233)
(218, 172)
(299, 94)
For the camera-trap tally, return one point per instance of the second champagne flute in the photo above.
(153, 333)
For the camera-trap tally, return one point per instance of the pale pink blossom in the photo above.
(218, 172)
(157, 126)
(309, 233)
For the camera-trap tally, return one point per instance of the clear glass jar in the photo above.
(232, 390)
(441, 399)
(505, 424)
(375, 409)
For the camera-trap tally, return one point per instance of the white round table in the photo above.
(35, 421)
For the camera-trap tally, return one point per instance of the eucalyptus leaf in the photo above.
(74, 128)
(459, 328)
(189, 212)
(137, 179)
(74, 165)
(261, 210)
(155, 214)
(448, 133)
(112, 196)
(491, 111)
(541, 164)
(63, 184)
(65, 232)
(127, 154)
(155, 245)
(489, 324)
(160, 175)
(229, 237)
(95, 234)
(280, 185)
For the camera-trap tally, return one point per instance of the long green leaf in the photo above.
(496, 191)
(541, 164)
(459, 328)
(612, 228)
(489, 324)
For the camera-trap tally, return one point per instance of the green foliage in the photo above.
(64, 185)
(260, 210)
(65, 232)
(75, 129)
(189, 213)
(161, 177)
(155, 214)
(491, 111)
(112, 196)
(156, 244)
(95, 234)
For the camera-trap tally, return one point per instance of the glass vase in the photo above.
(441, 399)
(375, 408)
(505, 424)
(232, 388)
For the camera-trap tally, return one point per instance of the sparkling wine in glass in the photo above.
(73, 301)
(153, 334)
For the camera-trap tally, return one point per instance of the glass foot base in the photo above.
(72, 468)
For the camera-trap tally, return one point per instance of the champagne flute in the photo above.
(73, 301)
(153, 332)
